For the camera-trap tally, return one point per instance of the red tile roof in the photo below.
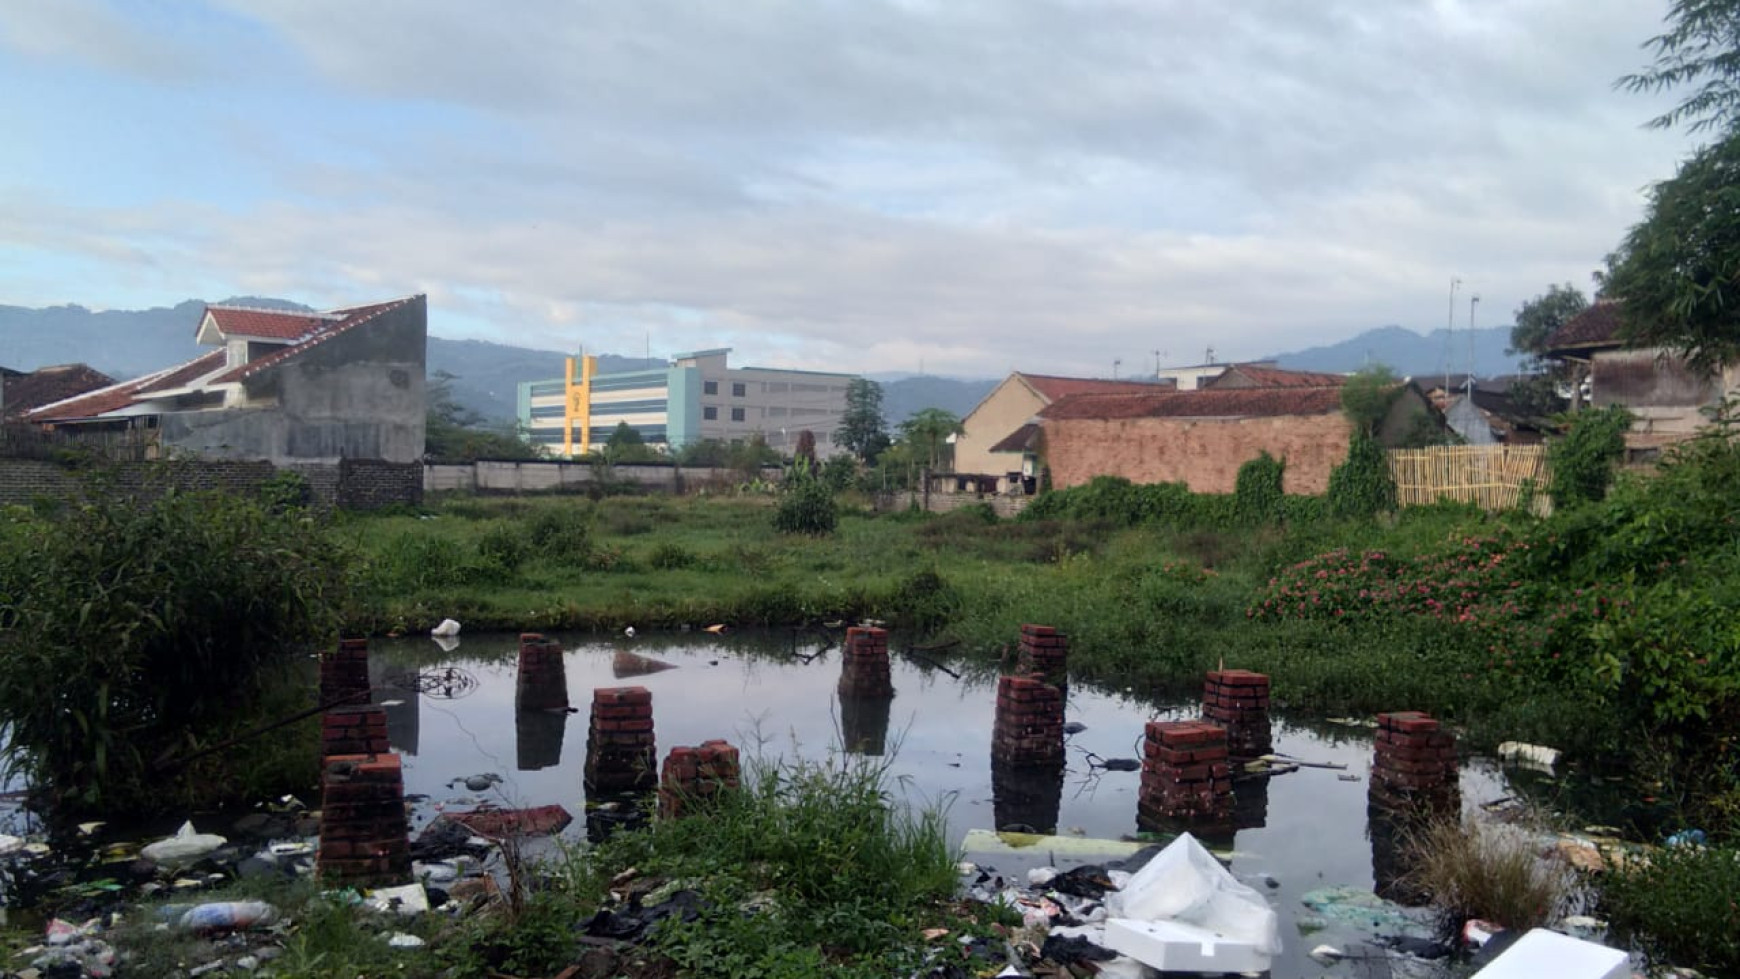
(118, 396)
(267, 324)
(1274, 377)
(338, 321)
(1597, 326)
(26, 392)
(1202, 403)
(1056, 388)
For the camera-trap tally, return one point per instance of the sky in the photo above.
(955, 186)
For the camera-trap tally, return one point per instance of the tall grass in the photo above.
(1488, 871)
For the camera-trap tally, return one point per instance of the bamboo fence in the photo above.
(1496, 477)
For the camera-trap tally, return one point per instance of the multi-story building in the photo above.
(694, 399)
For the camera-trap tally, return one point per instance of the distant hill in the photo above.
(910, 395)
(1409, 353)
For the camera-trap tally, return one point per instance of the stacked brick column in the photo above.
(695, 776)
(864, 665)
(355, 729)
(363, 830)
(1029, 726)
(1044, 653)
(1026, 798)
(543, 680)
(344, 673)
(864, 724)
(1414, 763)
(1238, 700)
(620, 752)
(1185, 774)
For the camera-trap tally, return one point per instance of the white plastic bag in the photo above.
(1185, 883)
(185, 846)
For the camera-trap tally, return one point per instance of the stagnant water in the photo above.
(1302, 831)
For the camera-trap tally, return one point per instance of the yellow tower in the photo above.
(577, 404)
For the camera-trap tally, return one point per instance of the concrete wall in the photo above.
(1204, 453)
(359, 395)
(1002, 505)
(1008, 407)
(351, 484)
(572, 477)
(1657, 387)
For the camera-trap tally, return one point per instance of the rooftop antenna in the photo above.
(1116, 363)
(1156, 365)
(1208, 356)
(1449, 329)
(1473, 301)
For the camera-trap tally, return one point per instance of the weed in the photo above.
(1488, 871)
(1681, 903)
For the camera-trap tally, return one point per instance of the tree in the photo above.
(806, 447)
(1701, 48)
(1677, 273)
(1367, 396)
(928, 431)
(1536, 321)
(626, 445)
(455, 433)
(862, 431)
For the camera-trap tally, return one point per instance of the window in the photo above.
(709, 387)
(737, 414)
(710, 413)
(739, 390)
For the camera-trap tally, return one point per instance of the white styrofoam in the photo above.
(1173, 946)
(1548, 953)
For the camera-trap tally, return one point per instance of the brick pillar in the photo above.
(864, 664)
(620, 752)
(363, 831)
(344, 673)
(1185, 774)
(1026, 798)
(1029, 726)
(1414, 763)
(1238, 700)
(695, 776)
(538, 737)
(543, 680)
(355, 729)
(1044, 652)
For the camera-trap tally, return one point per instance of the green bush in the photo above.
(1680, 903)
(1582, 461)
(286, 490)
(138, 627)
(806, 507)
(414, 561)
(923, 602)
(1257, 493)
(562, 533)
(505, 547)
(671, 556)
(1362, 486)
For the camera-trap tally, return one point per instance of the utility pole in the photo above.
(1156, 365)
(1473, 301)
(1449, 331)
(1116, 363)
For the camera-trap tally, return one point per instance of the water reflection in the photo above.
(864, 723)
(1026, 798)
(538, 738)
(396, 689)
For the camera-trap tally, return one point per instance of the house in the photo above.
(21, 393)
(1267, 375)
(281, 386)
(1202, 437)
(997, 438)
(697, 397)
(1655, 383)
(1194, 376)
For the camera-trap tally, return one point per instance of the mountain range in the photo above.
(128, 343)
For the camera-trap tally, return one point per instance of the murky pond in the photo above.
(775, 694)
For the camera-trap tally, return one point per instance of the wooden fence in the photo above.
(1493, 476)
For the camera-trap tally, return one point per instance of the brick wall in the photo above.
(368, 484)
(1204, 453)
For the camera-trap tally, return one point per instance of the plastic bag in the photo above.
(186, 846)
(1185, 883)
(228, 916)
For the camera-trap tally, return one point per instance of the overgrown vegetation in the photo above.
(1680, 902)
(139, 629)
(1583, 460)
(1488, 871)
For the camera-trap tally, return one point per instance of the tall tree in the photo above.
(1367, 396)
(862, 431)
(455, 433)
(1677, 272)
(806, 447)
(1536, 321)
(1700, 49)
(928, 431)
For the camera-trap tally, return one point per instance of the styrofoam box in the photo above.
(1548, 953)
(1173, 947)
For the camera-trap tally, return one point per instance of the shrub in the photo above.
(924, 602)
(562, 534)
(412, 562)
(1362, 486)
(286, 490)
(806, 507)
(671, 557)
(1486, 871)
(140, 626)
(1257, 493)
(504, 546)
(1582, 461)
(1680, 902)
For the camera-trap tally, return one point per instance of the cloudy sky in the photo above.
(865, 185)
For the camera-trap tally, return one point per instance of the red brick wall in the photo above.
(1205, 453)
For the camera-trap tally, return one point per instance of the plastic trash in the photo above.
(447, 628)
(1688, 837)
(1537, 757)
(1548, 953)
(447, 643)
(1041, 876)
(10, 844)
(186, 846)
(1184, 884)
(408, 900)
(401, 940)
(228, 916)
